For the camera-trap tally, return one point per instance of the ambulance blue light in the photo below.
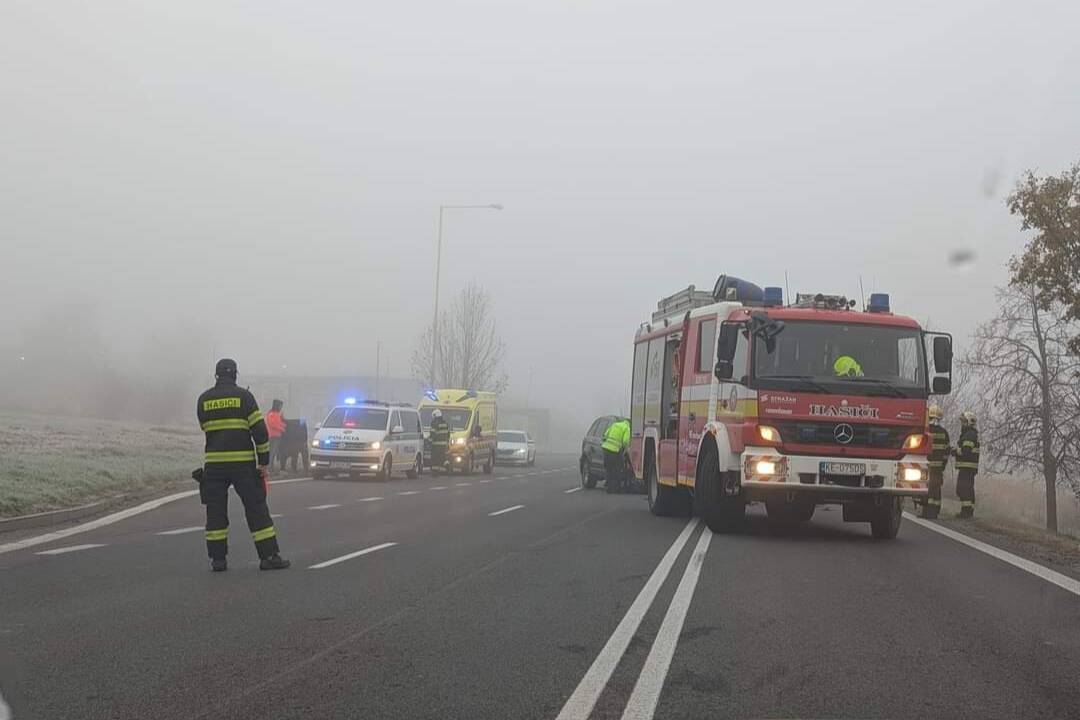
(773, 297)
(431, 395)
(879, 303)
(350, 401)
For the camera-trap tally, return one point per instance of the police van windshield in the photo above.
(357, 418)
(456, 418)
(843, 358)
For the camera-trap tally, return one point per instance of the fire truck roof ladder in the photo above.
(680, 302)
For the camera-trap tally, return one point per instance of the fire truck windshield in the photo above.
(842, 358)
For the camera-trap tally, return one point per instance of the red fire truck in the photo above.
(738, 398)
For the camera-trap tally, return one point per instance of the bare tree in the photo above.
(1025, 381)
(470, 350)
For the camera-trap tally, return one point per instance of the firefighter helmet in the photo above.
(967, 418)
(934, 411)
(846, 366)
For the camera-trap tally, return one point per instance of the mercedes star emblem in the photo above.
(844, 433)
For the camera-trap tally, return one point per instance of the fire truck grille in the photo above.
(862, 435)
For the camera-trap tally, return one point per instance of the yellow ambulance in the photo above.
(473, 418)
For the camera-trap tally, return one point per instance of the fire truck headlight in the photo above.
(765, 467)
(768, 433)
(914, 441)
(913, 474)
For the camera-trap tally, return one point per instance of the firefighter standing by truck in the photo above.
(237, 454)
(616, 441)
(439, 438)
(939, 458)
(967, 464)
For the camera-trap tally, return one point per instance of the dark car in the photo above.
(592, 455)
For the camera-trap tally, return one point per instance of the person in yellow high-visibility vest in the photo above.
(615, 444)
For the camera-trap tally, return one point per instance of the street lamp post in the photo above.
(438, 272)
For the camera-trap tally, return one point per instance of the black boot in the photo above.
(218, 564)
(274, 562)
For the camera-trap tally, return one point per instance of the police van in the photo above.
(368, 438)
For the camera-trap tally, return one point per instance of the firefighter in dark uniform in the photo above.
(939, 458)
(440, 438)
(236, 439)
(967, 464)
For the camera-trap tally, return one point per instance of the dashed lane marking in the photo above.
(581, 703)
(464, 484)
(375, 498)
(437, 487)
(324, 507)
(181, 531)
(409, 492)
(70, 548)
(1050, 576)
(350, 556)
(572, 490)
(512, 508)
(650, 683)
(485, 480)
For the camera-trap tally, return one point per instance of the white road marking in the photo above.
(370, 499)
(572, 490)
(181, 531)
(486, 480)
(581, 702)
(111, 519)
(350, 556)
(5, 711)
(642, 703)
(275, 516)
(409, 492)
(465, 484)
(437, 487)
(286, 481)
(324, 507)
(1050, 576)
(512, 508)
(69, 548)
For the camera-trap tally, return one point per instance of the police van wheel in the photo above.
(417, 469)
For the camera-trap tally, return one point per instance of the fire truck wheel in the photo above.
(663, 499)
(588, 480)
(885, 523)
(721, 513)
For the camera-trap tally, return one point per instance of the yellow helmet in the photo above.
(934, 411)
(846, 365)
(967, 417)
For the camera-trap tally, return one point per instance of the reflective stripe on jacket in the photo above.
(235, 430)
(967, 449)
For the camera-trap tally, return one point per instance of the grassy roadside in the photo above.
(49, 462)
(1060, 552)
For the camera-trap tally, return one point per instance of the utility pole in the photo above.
(438, 273)
(378, 352)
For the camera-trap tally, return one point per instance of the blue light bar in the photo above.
(431, 395)
(879, 303)
(350, 401)
(773, 297)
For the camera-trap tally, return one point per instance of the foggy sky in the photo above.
(263, 178)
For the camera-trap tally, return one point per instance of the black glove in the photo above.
(197, 475)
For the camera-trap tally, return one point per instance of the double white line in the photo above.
(650, 683)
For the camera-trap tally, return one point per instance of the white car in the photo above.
(515, 447)
(368, 438)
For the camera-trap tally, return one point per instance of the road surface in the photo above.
(518, 595)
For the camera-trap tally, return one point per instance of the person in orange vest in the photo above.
(275, 426)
